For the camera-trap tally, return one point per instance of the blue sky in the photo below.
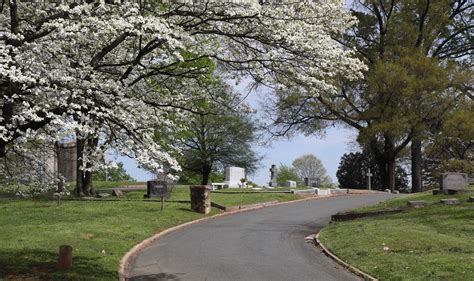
(328, 148)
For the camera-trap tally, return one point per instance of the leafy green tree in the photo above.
(117, 173)
(450, 148)
(218, 141)
(219, 133)
(193, 178)
(353, 168)
(309, 166)
(417, 54)
(287, 173)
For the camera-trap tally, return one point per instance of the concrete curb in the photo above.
(351, 268)
(128, 257)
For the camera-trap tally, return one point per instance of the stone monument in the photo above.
(290, 183)
(273, 176)
(201, 198)
(454, 181)
(369, 180)
(233, 176)
(312, 182)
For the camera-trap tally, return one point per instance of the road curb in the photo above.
(126, 260)
(335, 258)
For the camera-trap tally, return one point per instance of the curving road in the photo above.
(264, 244)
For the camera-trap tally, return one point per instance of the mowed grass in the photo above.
(431, 243)
(113, 184)
(32, 230)
(228, 197)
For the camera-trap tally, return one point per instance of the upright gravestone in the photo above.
(291, 183)
(233, 176)
(369, 180)
(454, 181)
(273, 176)
(312, 182)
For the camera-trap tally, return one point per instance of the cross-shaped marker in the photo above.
(369, 176)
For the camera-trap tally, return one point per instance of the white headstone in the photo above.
(290, 183)
(454, 181)
(320, 191)
(233, 175)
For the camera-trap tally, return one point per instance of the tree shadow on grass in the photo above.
(42, 265)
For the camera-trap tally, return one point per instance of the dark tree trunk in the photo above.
(387, 173)
(416, 164)
(391, 174)
(7, 114)
(79, 171)
(206, 171)
(87, 183)
(385, 159)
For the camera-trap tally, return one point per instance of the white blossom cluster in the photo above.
(118, 71)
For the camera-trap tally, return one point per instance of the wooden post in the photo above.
(65, 257)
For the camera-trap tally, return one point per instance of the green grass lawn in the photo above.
(113, 184)
(32, 230)
(225, 199)
(430, 243)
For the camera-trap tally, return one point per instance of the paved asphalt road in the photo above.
(264, 244)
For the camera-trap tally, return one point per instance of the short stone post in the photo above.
(201, 198)
(65, 257)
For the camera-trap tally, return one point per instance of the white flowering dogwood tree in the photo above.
(109, 72)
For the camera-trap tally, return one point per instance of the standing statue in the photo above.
(273, 177)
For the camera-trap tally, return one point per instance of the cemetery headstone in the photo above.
(103, 195)
(290, 183)
(450, 201)
(273, 176)
(471, 199)
(233, 177)
(320, 191)
(312, 182)
(201, 198)
(117, 192)
(417, 204)
(455, 181)
(369, 180)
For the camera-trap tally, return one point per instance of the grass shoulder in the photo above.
(430, 243)
(100, 232)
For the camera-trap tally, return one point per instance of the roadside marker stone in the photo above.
(417, 204)
(450, 201)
